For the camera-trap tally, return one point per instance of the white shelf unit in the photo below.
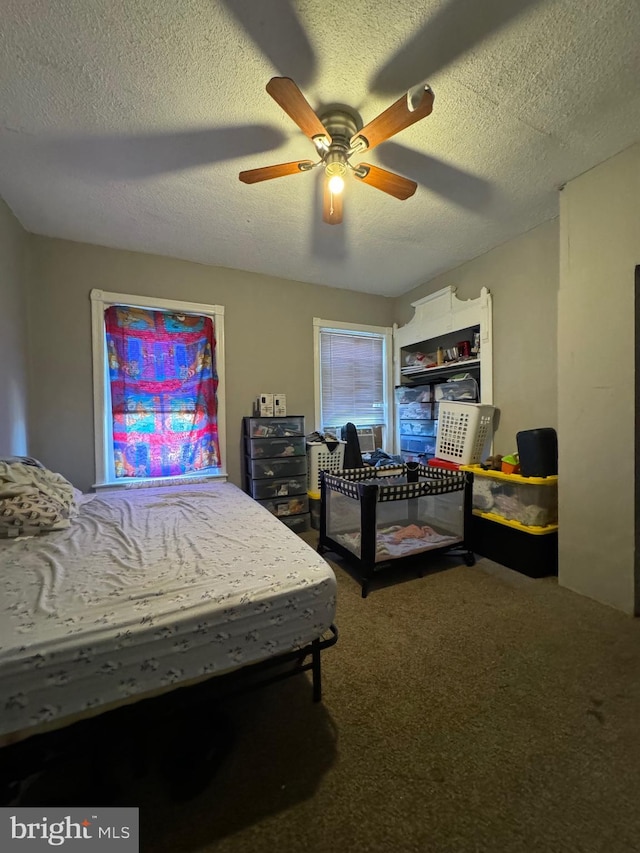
(437, 319)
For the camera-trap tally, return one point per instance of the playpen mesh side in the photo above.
(434, 503)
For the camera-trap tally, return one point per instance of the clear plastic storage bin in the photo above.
(415, 411)
(262, 468)
(522, 502)
(276, 488)
(465, 390)
(297, 523)
(262, 448)
(274, 427)
(407, 395)
(287, 506)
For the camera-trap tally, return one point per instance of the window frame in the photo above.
(384, 332)
(102, 428)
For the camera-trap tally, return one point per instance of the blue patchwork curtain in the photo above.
(163, 392)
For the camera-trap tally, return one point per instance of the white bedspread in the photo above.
(148, 588)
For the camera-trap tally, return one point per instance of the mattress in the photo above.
(149, 588)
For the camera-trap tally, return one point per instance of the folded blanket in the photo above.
(34, 499)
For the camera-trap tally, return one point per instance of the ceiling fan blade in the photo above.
(331, 205)
(396, 117)
(254, 176)
(285, 93)
(388, 182)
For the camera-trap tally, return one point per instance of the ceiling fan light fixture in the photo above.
(335, 164)
(336, 184)
(335, 169)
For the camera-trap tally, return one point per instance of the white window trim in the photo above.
(103, 436)
(385, 332)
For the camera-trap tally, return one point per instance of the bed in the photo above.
(149, 589)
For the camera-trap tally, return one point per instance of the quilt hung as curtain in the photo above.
(163, 392)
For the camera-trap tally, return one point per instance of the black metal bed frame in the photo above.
(300, 659)
(29, 756)
(356, 483)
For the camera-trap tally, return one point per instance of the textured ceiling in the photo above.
(126, 124)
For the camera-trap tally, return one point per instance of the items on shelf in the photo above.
(510, 464)
(448, 357)
(461, 387)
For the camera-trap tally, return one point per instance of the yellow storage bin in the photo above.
(525, 503)
(314, 507)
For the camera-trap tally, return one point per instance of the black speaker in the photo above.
(538, 452)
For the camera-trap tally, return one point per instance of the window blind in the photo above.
(351, 378)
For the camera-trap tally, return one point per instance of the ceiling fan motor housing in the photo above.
(341, 125)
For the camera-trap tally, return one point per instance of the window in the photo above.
(158, 388)
(353, 379)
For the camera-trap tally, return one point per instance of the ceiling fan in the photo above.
(338, 135)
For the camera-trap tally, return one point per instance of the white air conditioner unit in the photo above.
(367, 440)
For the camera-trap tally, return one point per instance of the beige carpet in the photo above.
(470, 710)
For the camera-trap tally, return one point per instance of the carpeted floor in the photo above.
(470, 710)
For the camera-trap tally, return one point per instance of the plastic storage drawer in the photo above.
(287, 506)
(259, 469)
(418, 444)
(416, 411)
(274, 427)
(267, 448)
(276, 488)
(465, 390)
(405, 395)
(297, 523)
(418, 427)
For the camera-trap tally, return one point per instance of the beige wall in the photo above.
(600, 246)
(522, 276)
(563, 325)
(268, 329)
(13, 336)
